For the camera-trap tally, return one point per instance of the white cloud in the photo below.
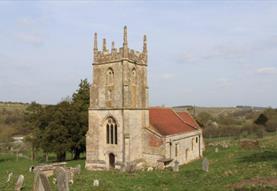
(30, 38)
(267, 70)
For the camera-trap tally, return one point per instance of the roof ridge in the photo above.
(176, 113)
(159, 107)
(193, 119)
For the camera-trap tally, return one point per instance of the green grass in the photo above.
(227, 167)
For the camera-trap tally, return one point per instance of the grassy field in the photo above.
(13, 106)
(228, 166)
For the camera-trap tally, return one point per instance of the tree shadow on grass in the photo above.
(260, 157)
(4, 160)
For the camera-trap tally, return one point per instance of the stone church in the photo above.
(122, 127)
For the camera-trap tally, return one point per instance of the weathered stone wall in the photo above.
(153, 147)
(128, 88)
(190, 146)
(135, 86)
(135, 121)
(97, 148)
(184, 147)
(129, 135)
(100, 86)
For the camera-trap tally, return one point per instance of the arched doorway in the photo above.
(111, 161)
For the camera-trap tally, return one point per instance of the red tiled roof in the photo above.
(188, 119)
(167, 122)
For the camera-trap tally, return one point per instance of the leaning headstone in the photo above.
(19, 183)
(216, 150)
(62, 179)
(205, 165)
(9, 176)
(41, 182)
(95, 183)
(176, 166)
(44, 182)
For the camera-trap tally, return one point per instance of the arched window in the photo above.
(187, 154)
(109, 77)
(111, 131)
(134, 76)
(176, 149)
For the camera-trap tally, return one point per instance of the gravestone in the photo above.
(54, 180)
(70, 176)
(78, 169)
(176, 166)
(9, 176)
(96, 183)
(205, 165)
(62, 179)
(31, 168)
(48, 169)
(19, 183)
(150, 169)
(216, 150)
(41, 182)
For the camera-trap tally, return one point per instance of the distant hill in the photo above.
(11, 119)
(215, 111)
(223, 117)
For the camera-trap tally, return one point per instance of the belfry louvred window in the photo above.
(111, 131)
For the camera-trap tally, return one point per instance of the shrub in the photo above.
(258, 130)
(261, 120)
(271, 126)
(223, 131)
(203, 118)
(10, 119)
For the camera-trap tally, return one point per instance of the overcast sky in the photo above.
(207, 53)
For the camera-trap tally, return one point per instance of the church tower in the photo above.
(118, 110)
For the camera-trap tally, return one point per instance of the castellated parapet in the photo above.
(119, 54)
